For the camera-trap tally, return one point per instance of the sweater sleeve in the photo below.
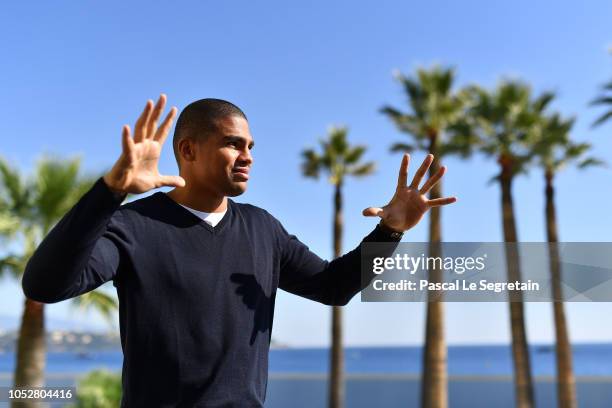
(82, 251)
(304, 273)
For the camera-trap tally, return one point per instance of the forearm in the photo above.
(345, 272)
(332, 283)
(58, 263)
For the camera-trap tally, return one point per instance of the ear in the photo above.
(187, 149)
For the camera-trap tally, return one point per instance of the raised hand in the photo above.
(136, 169)
(409, 203)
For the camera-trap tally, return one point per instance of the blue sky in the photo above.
(74, 73)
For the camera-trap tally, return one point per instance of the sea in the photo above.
(479, 376)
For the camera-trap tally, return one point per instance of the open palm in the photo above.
(136, 170)
(409, 203)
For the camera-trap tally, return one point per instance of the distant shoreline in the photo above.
(361, 376)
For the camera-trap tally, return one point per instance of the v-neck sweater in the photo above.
(196, 302)
(211, 219)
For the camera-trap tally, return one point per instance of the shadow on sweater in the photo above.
(255, 299)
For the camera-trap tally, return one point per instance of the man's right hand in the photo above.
(136, 170)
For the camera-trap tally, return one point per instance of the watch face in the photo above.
(392, 234)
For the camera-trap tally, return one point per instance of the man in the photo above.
(196, 273)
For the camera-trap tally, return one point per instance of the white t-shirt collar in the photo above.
(211, 219)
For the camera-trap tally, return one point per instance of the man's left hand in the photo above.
(409, 203)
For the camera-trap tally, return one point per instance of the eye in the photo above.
(235, 144)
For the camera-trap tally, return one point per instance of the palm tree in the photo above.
(606, 100)
(434, 123)
(338, 160)
(504, 119)
(37, 205)
(554, 150)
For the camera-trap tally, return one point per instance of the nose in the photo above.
(246, 158)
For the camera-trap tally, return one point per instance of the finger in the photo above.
(164, 129)
(402, 179)
(373, 212)
(421, 171)
(436, 202)
(155, 115)
(126, 141)
(433, 180)
(140, 126)
(172, 181)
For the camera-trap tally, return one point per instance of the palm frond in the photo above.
(311, 163)
(13, 265)
(363, 170)
(607, 86)
(602, 100)
(603, 118)
(337, 158)
(591, 162)
(402, 147)
(14, 191)
(55, 183)
(542, 101)
(337, 141)
(99, 301)
(9, 224)
(436, 112)
(354, 154)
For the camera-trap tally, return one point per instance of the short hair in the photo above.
(198, 120)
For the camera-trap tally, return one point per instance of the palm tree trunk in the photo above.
(522, 369)
(336, 392)
(31, 348)
(434, 388)
(566, 385)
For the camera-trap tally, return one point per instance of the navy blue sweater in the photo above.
(196, 302)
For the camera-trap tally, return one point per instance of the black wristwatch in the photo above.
(392, 233)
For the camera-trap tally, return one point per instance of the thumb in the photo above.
(373, 212)
(172, 181)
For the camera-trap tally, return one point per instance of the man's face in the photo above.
(224, 160)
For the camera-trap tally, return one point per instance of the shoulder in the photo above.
(141, 200)
(256, 214)
(136, 211)
(137, 206)
(250, 210)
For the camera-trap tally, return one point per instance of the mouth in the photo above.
(241, 173)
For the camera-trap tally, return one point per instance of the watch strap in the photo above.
(392, 233)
